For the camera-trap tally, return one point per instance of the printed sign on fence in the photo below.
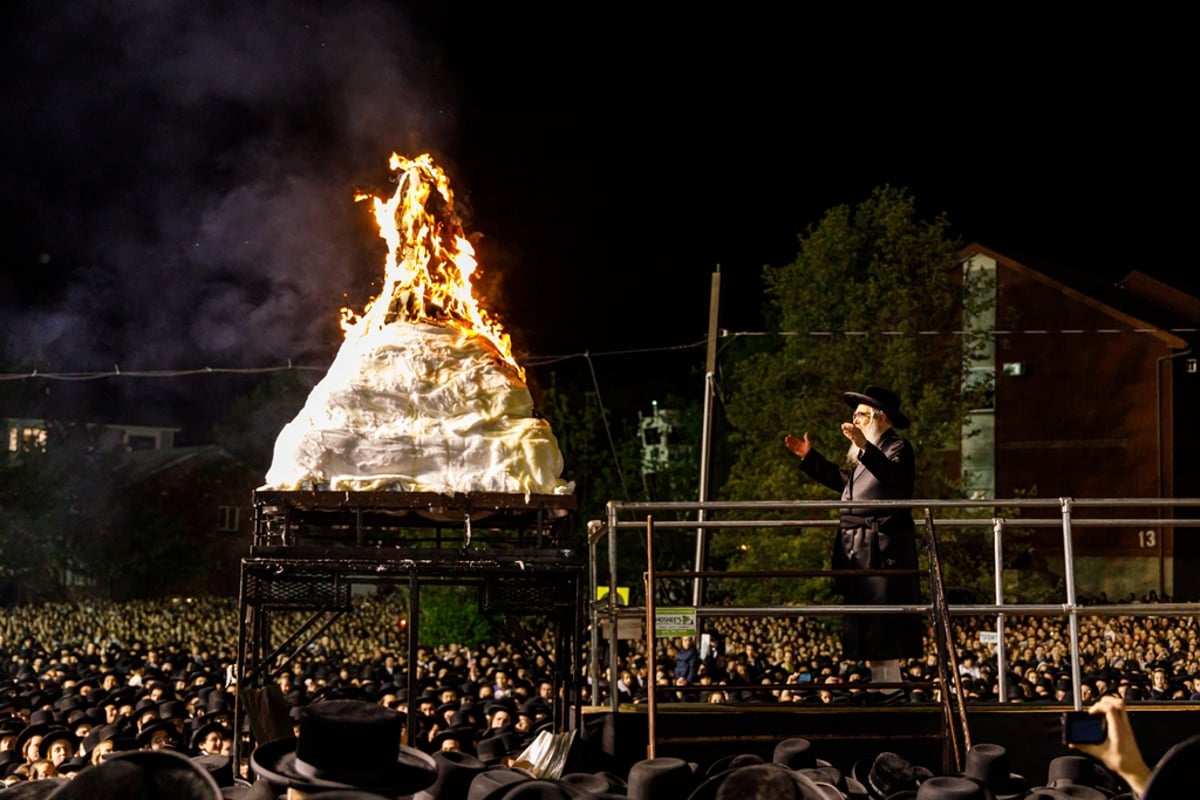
(674, 622)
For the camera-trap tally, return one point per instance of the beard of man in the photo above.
(873, 429)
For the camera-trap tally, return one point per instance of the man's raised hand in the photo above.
(798, 446)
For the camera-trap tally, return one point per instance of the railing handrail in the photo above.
(1067, 507)
(1014, 502)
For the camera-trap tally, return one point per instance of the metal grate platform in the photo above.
(411, 520)
(294, 592)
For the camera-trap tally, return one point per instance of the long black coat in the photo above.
(875, 538)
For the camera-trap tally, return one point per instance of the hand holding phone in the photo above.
(1080, 727)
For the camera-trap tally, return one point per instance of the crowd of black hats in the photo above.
(85, 684)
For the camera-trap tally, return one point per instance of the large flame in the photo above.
(427, 275)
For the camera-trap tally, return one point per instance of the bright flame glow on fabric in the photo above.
(430, 264)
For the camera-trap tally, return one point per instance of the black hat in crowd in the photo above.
(661, 778)
(988, 764)
(39, 789)
(58, 734)
(1175, 773)
(142, 773)
(346, 744)
(455, 772)
(1077, 777)
(887, 774)
(492, 749)
(947, 787)
(166, 726)
(796, 753)
(204, 730)
(878, 397)
(763, 780)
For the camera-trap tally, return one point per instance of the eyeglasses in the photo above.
(861, 415)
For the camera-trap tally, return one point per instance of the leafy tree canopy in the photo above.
(873, 297)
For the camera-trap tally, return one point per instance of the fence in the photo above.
(703, 518)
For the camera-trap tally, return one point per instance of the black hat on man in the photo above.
(346, 744)
(988, 764)
(883, 399)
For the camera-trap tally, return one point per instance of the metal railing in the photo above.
(665, 516)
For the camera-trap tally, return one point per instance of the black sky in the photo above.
(179, 175)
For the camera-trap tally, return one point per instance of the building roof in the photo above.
(142, 464)
(1139, 303)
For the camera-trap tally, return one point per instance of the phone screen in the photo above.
(1084, 728)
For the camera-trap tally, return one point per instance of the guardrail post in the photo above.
(1001, 657)
(613, 661)
(1072, 608)
(651, 641)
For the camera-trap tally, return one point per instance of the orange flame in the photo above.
(427, 274)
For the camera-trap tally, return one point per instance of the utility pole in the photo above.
(710, 369)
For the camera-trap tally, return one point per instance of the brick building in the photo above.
(1092, 392)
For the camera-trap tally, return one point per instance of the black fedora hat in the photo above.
(456, 770)
(493, 749)
(945, 787)
(796, 753)
(885, 775)
(346, 744)
(58, 734)
(39, 729)
(1080, 771)
(146, 734)
(204, 730)
(37, 789)
(540, 789)
(766, 780)
(220, 767)
(733, 761)
(1175, 773)
(878, 397)
(587, 782)
(142, 773)
(660, 778)
(988, 764)
(495, 781)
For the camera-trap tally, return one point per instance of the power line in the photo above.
(989, 332)
(117, 372)
(548, 360)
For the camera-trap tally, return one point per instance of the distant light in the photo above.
(1015, 369)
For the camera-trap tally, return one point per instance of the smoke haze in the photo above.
(180, 182)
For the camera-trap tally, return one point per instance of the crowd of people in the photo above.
(80, 681)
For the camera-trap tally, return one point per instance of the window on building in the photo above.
(227, 518)
(26, 439)
(143, 442)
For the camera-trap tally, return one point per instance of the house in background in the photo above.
(26, 434)
(149, 493)
(1089, 391)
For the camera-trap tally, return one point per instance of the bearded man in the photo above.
(880, 467)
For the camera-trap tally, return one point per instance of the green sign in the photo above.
(674, 622)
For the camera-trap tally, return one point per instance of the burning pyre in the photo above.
(424, 394)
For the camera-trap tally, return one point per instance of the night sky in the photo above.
(179, 176)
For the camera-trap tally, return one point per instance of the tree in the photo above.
(451, 614)
(874, 296)
(584, 428)
(250, 427)
(56, 504)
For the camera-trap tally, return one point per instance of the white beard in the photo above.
(873, 430)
